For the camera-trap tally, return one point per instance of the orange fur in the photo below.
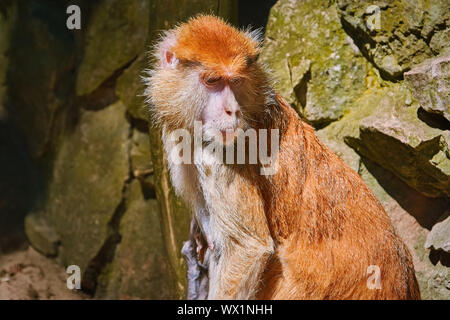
(329, 227)
(217, 45)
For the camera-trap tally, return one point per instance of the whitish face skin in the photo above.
(221, 116)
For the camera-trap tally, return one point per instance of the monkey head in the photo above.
(206, 70)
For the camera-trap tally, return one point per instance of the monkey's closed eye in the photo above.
(212, 80)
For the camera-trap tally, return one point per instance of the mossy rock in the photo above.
(130, 88)
(140, 268)
(116, 35)
(86, 188)
(41, 235)
(175, 216)
(400, 39)
(316, 66)
(42, 57)
(140, 156)
(434, 280)
(395, 138)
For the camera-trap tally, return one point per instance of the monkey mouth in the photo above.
(228, 135)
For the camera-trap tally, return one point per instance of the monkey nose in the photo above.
(232, 111)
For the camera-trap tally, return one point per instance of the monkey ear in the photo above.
(164, 53)
(169, 59)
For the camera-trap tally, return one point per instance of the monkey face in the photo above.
(207, 71)
(221, 116)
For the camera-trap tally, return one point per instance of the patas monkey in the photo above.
(310, 230)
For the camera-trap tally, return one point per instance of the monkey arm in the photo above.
(238, 276)
(237, 227)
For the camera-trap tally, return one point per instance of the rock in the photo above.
(33, 277)
(395, 138)
(42, 56)
(334, 134)
(85, 193)
(433, 279)
(440, 41)
(7, 19)
(141, 163)
(430, 82)
(116, 35)
(395, 35)
(174, 215)
(130, 88)
(439, 236)
(140, 268)
(41, 235)
(11, 162)
(316, 66)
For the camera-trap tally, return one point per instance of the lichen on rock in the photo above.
(396, 35)
(395, 138)
(116, 35)
(315, 64)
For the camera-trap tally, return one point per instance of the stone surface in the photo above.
(116, 35)
(440, 41)
(439, 236)
(28, 275)
(438, 285)
(140, 268)
(140, 156)
(86, 189)
(130, 88)
(333, 135)
(17, 174)
(316, 66)
(395, 138)
(42, 57)
(402, 37)
(430, 82)
(41, 235)
(174, 215)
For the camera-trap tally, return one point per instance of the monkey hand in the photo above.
(194, 252)
(203, 243)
